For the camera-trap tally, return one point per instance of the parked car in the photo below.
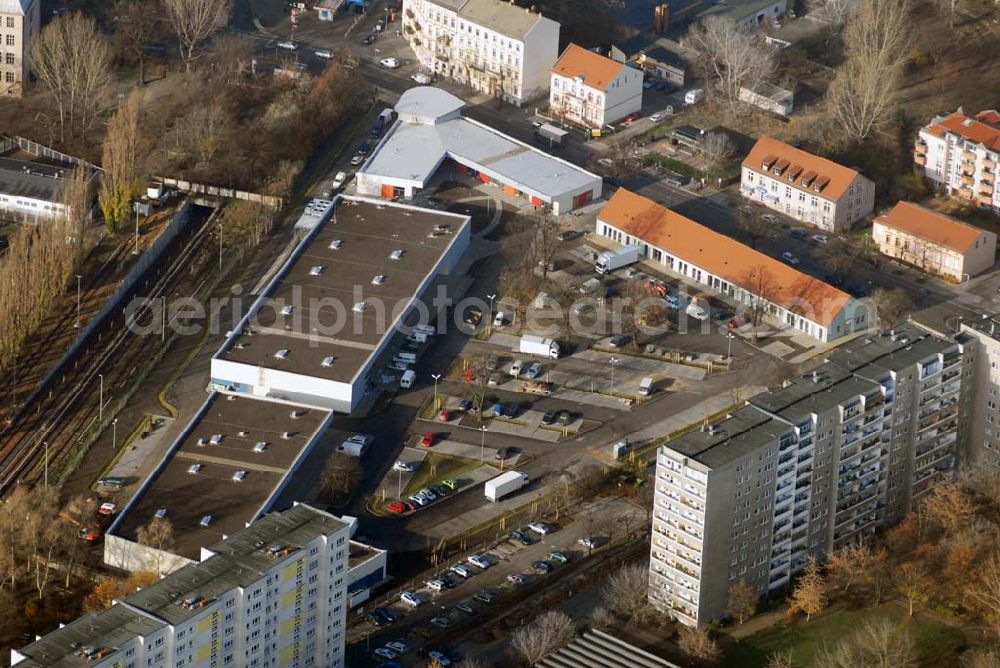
(472, 316)
(397, 647)
(542, 566)
(515, 368)
(485, 596)
(441, 622)
(389, 63)
(549, 417)
(357, 159)
(769, 218)
(658, 116)
(533, 371)
(288, 45)
(820, 238)
(466, 608)
(568, 235)
(325, 54)
(462, 570)
(634, 116)
(440, 490)
(541, 528)
(799, 233)
(402, 466)
(492, 362)
(497, 410)
(465, 405)
(385, 653)
(435, 585)
(479, 561)
(516, 579)
(440, 657)
(663, 86)
(617, 341)
(494, 379)
(558, 557)
(444, 415)
(564, 418)
(428, 494)
(790, 258)
(450, 484)
(427, 440)
(387, 613)
(411, 599)
(339, 180)
(378, 620)
(521, 537)
(368, 40)
(504, 453)
(421, 78)
(396, 507)
(418, 500)
(588, 542)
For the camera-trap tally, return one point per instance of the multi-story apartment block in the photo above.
(593, 90)
(805, 186)
(806, 469)
(272, 594)
(936, 243)
(495, 47)
(984, 437)
(959, 153)
(20, 21)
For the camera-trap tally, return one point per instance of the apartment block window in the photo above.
(10, 21)
(10, 40)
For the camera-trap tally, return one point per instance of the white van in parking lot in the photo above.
(406, 382)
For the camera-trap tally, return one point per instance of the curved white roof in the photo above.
(427, 105)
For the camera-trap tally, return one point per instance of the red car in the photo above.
(634, 116)
(444, 415)
(396, 507)
(428, 440)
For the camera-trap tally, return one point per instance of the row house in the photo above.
(497, 48)
(959, 154)
(806, 187)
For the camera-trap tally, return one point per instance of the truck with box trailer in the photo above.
(611, 260)
(505, 484)
(536, 345)
(550, 135)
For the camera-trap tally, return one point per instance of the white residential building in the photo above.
(984, 440)
(959, 153)
(805, 186)
(273, 594)
(592, 90)
(806, 469)
(20, 21)
(495, 47)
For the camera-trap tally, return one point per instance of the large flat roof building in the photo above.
(431, 132)
(806, 469)
(271, 594)
(326, 325)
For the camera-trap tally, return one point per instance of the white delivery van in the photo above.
(694, 96)
(646, 387)
(429, 330)
(406, 382)
(406, 358)
(417, 337)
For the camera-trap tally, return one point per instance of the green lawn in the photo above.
(435, 468)
(937, 644)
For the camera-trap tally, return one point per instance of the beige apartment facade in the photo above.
(20, 21)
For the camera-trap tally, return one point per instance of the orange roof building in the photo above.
(805, 186)
(722, 264)
(933, 242)
(592, 90)
(960, 154)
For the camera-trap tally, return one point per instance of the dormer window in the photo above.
(766, 164)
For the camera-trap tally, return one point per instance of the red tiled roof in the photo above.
(597, 71)
(970, 128)
(933, 226)
(723, 256)
(768, 148)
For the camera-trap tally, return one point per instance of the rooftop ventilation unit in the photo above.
(242, 433)
(396, 255)
(378, 280)
(194, 468)
(316, 271)
(286, 435)
(287, 310)
(296, 414)
(328, 361)
(335, 244)
(239, 475)
(160, 513)
(200, 443)
(281, 354)
(216, 439)
(260, 447)
(359, 307)
(205, 521)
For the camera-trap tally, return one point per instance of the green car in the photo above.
(450, 484)
(558, 557)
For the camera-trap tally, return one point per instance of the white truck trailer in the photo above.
(504, 484)
(536, 345)
(610, 260)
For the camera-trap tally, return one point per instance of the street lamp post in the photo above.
(46, 444)
(436, 377)
(399, 483)
(729, 345)
(482, 445)
(220, 246)
(489, 319)
(614, 361)
(136, 251)
(78, 277)
(114, 434)
(100, 399)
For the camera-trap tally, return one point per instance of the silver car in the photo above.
(533, 371)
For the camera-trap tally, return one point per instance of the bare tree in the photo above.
(194, 21)
(912, 581)
(158, 534)
(861, 96)
(761, 287)
(340, 475)
(135, 24)
(780, 660)
(753, 225)
(730, 57)
(742, 601)
(890, 305)
(848, 564)
(477, 380)
(118, 182)
(232, 54)
(809, 595)
(547, 633)
(984, 591)
(695, 642)
(834, 12)
(718, 150)
(949, 505)
(838, 257)
(626, 592)
(72, 61)
(546, 240)
(877, 643)
(986, 658)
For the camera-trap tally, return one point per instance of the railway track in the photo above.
(48, 433)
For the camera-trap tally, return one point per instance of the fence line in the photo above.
(219, 191)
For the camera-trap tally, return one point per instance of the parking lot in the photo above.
(441, 615)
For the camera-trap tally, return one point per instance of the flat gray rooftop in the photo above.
(497, 15)
(23, 178)
(238, 561)
(805, 396)
(740, 433)
(242, 422)
(368, 233)
(413, 151)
